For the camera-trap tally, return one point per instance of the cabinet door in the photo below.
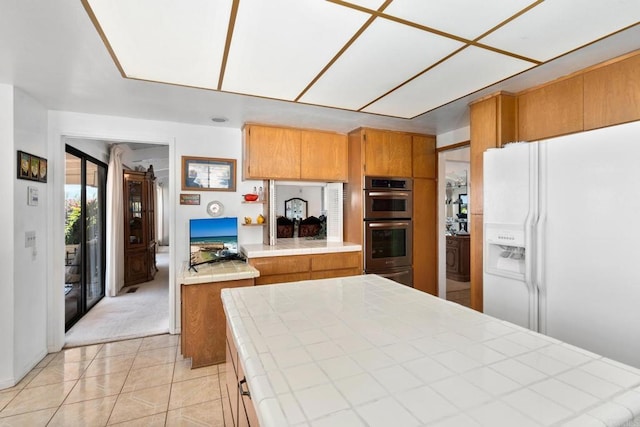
(135, 214)
(609, 94)
(246, 411)
(551, 110)
(281, 264)
(136, 266)
(453, 257)
(232, 380)
(271, 153)
(424, 156)
(150, 208)
(387, 153)
(323, 156)
(335, 261)
(425, 235)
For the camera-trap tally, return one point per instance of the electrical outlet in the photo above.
(29, 239)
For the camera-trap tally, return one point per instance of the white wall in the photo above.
(453, 137)
(7, 183)
(183, 140)
(23, 294)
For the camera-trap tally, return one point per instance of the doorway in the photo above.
(142, 309)
(454, 237)
(84, 233)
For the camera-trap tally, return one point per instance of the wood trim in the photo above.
(353, 227)
(103, 36)
(227, 44)
(476, 261)
(250, 124)
(454, 146)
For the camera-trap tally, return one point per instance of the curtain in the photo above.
(115, 226)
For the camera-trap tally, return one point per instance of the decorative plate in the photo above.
(215, 208)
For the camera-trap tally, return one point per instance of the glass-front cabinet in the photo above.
(139, 226)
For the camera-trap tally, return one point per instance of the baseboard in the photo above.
(7, 383)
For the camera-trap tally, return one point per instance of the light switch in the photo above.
(29, 239)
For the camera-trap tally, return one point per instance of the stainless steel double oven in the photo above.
(388, 208)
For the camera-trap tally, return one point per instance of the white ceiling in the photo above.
(287, 60)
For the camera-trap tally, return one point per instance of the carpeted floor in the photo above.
(142, 313)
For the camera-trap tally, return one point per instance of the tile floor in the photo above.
(459, 292)
(137, 382)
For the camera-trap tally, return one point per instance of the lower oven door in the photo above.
(387, 244)
(403, 275)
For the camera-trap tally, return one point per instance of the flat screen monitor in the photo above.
(212, 239)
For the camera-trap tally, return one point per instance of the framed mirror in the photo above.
(295, 208)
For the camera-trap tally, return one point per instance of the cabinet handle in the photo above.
(241, 388)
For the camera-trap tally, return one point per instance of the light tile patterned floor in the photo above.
(136, 382)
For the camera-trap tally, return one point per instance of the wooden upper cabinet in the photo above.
(288, 153)
(424, 156)
(387, 153)
(551, 110)
(612, 94)
(271, 153)
(323, 156)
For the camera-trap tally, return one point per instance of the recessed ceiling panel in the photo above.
(464, 18)
(556, 27)
(279, 46)
(164, 40)
(369, 4)
(468, 71)
(383, 57)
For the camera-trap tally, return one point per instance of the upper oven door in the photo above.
(385, 204)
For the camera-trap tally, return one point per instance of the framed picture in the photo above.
(208, 174)
(43, 170)
(24, 165)
(32, 168)
(35, 168)
(189, 199)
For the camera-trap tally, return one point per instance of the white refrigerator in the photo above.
(562, 240)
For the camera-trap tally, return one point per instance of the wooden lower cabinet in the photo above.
(281, 269)
(203, 321)
(236, 392)
(458, 258)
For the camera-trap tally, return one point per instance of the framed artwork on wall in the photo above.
(208, 174)
(32, 168)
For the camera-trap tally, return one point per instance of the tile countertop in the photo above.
(364, 350)
(295, 246)
(217, 272)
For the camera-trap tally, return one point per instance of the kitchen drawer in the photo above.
(281, 265)
(282, 278)
(335, 261)
(328, 274)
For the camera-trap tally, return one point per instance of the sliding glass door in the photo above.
(85, 225)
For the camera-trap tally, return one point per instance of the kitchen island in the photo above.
(364, 350)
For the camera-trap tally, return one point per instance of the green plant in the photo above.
(73, 218)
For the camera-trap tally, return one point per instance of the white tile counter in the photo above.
(364, 350)
(217, 272)
(286, 247)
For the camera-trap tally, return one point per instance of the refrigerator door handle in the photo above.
(541, 225)
(530, 276)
